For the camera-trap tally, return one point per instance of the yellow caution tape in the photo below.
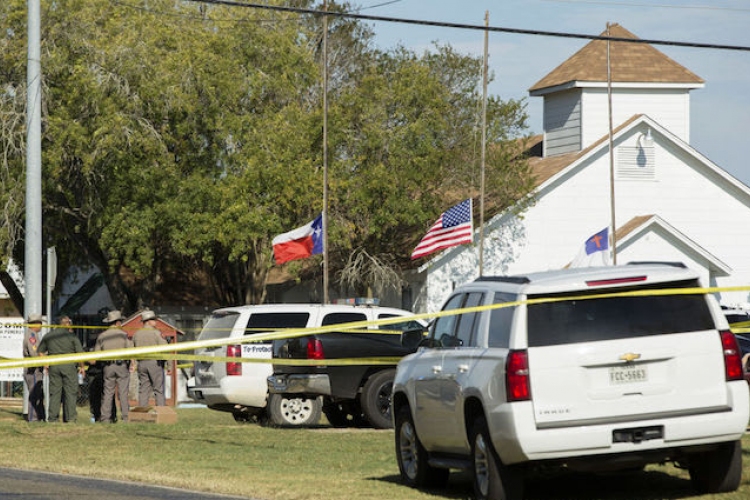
(384, 360)
(168, 351)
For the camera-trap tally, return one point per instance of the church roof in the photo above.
(629, 62)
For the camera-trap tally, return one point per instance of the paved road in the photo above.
(27, 485)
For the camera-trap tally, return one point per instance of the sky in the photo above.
(720, 111)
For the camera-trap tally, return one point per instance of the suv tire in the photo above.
(492, 480)
(719, 470)
(286, 411)
(376, 399)
(412, 457)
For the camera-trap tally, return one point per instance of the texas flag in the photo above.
(595, 251)
(299, 243)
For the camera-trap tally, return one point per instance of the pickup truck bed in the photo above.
(354, 394)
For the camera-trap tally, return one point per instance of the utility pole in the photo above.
(32, 274)
(33, 239)
(484, 143)
(613, 242)
(325, 152)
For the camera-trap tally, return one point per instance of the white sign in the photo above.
(11, 346)
(260, 351)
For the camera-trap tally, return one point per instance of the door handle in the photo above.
(437, 369)
(463, 368)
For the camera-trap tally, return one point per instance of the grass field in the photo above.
(208, 451)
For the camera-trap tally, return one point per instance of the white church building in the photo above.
(671, 203)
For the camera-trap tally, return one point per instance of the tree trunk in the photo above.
(15, 294)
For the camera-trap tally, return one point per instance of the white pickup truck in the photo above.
(594, 369)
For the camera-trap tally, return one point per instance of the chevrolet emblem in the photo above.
(629, 357)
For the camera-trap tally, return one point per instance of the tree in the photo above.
(178, 139)
(159, 124)
(407, 145)
(12, 133)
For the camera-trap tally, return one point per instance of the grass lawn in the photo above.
(208, 451)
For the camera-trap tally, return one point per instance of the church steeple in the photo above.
(644, 81)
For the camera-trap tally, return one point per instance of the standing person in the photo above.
(95, 378)
(63, 379)
(116, 371)
(150, 371)
(34, 376)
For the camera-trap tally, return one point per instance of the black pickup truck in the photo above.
(356, 394)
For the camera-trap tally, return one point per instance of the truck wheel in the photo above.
(717, 471)
(287, 411)
(376, 399)
(492, 480)
(412, 457)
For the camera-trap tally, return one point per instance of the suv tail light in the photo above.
(315, 349)
(732, 356)
(234, 351)
(517, 376)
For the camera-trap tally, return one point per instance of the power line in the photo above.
(375, 6)
(234, 21)
(495, 29)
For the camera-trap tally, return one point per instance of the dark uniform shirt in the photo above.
(60, 341)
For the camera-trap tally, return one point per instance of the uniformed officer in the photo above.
(34, 376)
(63, 379)
(150, 371)
(116, 372)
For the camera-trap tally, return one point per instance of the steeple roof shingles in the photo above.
(630, 63)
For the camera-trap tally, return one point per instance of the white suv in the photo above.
(242, 388)
(570, 375)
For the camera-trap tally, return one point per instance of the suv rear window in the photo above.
(268, 322)
(591, 320)
(219, 326)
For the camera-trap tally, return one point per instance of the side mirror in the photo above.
(411, 339)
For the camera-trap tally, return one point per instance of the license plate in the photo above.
(627, 374)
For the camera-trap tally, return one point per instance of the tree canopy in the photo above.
(178, 139)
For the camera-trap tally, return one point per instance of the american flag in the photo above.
(454, 227)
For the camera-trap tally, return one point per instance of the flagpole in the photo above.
(325, 152)
(484, 143)
(611, 155)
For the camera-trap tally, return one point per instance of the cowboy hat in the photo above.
(147, 315)
(113, 316)
(34, 318)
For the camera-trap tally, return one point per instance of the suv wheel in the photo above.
(287, 411)
(717, 471)
(412, 457)
(376, 399)
(492, 480)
